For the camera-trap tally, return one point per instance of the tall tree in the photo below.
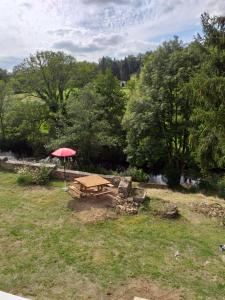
(4, 93)
(47, 75)
(157, 119)
(207, 136)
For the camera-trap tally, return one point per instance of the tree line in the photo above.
(168, 118)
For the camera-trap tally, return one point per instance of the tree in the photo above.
(27, 123)
(112, 106)
(94, 122)
(125, 70)
(4, 76)
(86, 131)
(4, 91)
(84, 73)
(157, 119)
(47, 75)
(208, 87)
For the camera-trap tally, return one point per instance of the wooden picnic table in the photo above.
(92, 181)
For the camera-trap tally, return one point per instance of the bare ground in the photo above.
(92, 209)
(144, 289)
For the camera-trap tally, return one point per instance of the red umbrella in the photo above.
(64, 152)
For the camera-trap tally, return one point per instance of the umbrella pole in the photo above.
(65, 187)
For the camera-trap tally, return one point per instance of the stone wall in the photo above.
(13, 165)
(70, 175)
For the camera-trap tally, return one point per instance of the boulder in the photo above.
(170, 211)
(125, 187)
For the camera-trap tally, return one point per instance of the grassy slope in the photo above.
(45, 253)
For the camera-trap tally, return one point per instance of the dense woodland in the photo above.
(170, 116)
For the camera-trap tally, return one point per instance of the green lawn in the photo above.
(46, 253)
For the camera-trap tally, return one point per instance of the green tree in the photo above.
(208, 85)
(112, 105)
(157, 119)
(86, 130)
(27, 121)
(94, 121)
(48, 75)
(4, 93)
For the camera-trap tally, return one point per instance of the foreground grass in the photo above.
(45, 253)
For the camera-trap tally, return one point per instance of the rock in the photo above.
(124, 187)
(3, 158)
(170, 211)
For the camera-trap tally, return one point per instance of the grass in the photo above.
(46, 253)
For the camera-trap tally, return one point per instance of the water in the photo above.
(158, 179)
(8, 154)
(162, 180)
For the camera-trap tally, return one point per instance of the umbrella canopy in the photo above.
(64, 152)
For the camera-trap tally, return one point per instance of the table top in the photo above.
(92, 181)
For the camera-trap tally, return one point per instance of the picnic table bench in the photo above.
(90, 185)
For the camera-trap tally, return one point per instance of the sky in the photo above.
(90, 29)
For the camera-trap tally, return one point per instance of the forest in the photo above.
(168, 118)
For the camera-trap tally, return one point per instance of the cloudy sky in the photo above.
(89, 29)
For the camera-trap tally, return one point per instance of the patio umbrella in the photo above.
(63, 153)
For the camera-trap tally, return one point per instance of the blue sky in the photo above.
(89, 29)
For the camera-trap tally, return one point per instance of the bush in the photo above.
(24, 177)
(136, 174)
(42, 176)
(28, 175)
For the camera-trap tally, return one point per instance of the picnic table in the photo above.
(89, 184)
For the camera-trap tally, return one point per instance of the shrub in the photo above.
(28, 175)
(41, 176)
(136, 174)
(24, 176)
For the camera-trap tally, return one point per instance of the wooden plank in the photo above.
(92, 181)
(102, 193)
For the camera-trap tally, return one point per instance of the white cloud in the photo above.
(91, 28)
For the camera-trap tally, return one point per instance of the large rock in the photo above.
(170, 211)
(139, 195)
(125, 187)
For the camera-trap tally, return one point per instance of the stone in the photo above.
(170, 211)
(124, 187)
(3, 158)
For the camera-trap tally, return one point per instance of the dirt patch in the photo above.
(92, 209)
(144, 289)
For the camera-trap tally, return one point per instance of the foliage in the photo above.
(27, 120)
(94, 128)
(207, 134)
(25, 176)
(4, 92)
(136, 174)
(168, 118)
(48, 75)
(28, 175)
(122, 69)
(157, 119)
